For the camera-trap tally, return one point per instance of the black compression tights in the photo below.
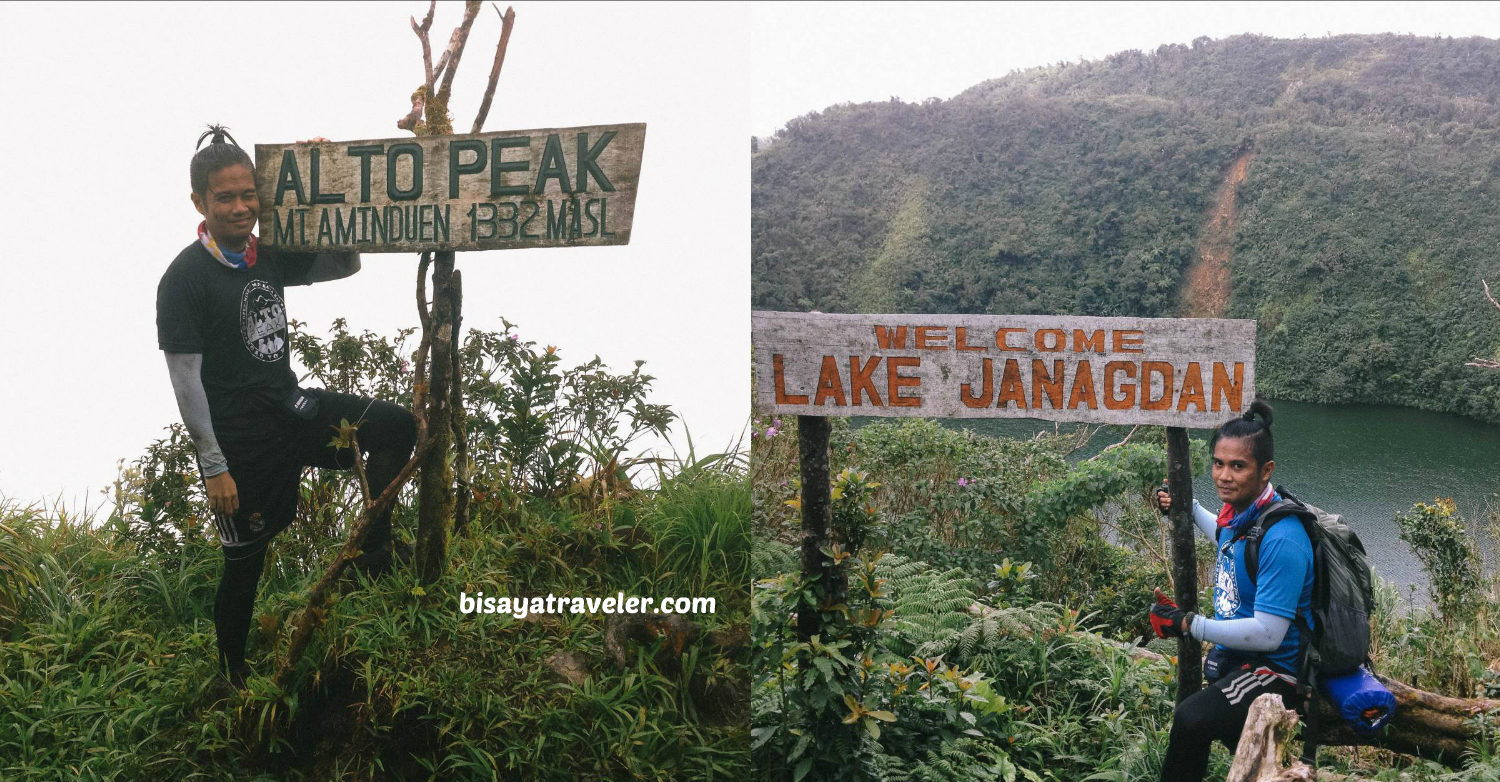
(387, 431)
(233, 605)
(1217, 711)
(234, 602)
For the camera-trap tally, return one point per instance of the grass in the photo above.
(106, 653)
(1070, 705)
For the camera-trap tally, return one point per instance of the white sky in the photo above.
(808, 56)
(104, 102)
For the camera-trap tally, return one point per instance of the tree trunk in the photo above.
(456, 405)
(1426, 724)
(435, 490)
(817, 513)
(1184, 558)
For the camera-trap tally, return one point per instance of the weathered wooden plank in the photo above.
(553, 187)
(1185, 372)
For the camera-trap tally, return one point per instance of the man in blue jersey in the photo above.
(1257, 645)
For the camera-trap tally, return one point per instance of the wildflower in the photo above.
(515, 337)
(754, 434)
(770, 432)
(963, 481)
(776, 423)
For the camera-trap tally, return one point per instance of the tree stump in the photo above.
(1262, 747)
(623, 633)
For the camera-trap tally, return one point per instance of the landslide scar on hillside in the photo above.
(1206, 294)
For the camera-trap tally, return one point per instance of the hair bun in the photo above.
(1259, 409)
(219, 133)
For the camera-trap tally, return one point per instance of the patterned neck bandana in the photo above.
(212, 246)
(1228, 518)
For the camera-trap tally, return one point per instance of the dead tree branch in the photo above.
(1426, 724)
(1154, 548)
(507, 21)
(1080, 438)
(428, 116)
(419, 97)
(1112, 446)
(1486, 363)
(422, 314)
(456, 43)
(429, 102)
(310, 618)
(421, 31)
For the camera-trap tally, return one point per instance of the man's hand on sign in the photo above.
(1163, 499)
(223, 494)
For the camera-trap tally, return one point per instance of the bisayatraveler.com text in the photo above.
(521, 607)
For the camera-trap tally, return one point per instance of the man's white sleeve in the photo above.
(1262, 632)
(1206, 520)
(192, 403)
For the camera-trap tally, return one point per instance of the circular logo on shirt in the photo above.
(1226, 587)
(263, 321)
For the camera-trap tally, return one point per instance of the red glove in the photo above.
(1167, 620)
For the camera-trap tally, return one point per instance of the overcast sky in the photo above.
(809, 56)
(105, 101)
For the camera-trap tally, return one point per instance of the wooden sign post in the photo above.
(817, 513)
(554, 187)
(1184, 558)
(519, 189)
(1173, 372)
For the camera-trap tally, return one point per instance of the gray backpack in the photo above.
(1343, 596)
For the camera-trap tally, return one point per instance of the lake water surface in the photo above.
(1365, 462)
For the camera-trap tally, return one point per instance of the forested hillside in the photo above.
(1368, 212)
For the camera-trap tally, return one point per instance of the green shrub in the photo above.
(1441, 542)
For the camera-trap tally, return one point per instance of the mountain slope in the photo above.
(1364, 218)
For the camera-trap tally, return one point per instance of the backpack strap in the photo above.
(1287, 507)
(1312, 731)
(1307, 671)
(1272, 513)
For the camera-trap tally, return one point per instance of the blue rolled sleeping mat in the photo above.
(1361, 699)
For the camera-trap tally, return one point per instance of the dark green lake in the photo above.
(1366, 462)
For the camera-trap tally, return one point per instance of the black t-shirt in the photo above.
(237, 319)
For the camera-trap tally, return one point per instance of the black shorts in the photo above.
(268, 485)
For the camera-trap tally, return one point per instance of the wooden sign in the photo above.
(1185, 372)
(557, 187)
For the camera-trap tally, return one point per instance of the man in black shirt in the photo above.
(221, 321)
